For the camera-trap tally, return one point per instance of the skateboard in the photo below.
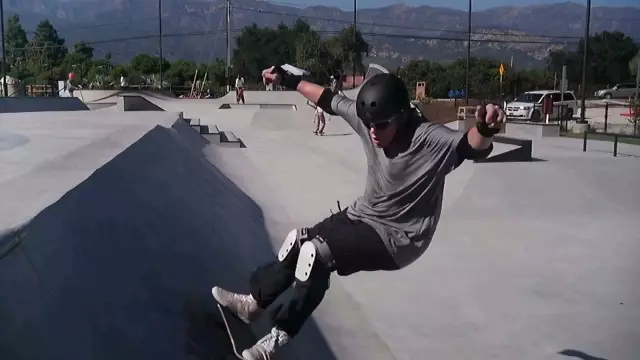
(245, 337)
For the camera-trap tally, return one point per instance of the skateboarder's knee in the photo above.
(307, 252)
(314, 261)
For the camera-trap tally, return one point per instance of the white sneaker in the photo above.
(267, 346)
(243, 306)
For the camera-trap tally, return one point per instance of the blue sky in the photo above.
(456, 4)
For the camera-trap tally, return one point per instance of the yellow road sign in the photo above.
(501, 70)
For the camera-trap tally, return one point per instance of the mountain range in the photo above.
(196, 29)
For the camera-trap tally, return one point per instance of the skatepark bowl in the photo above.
(116, 223)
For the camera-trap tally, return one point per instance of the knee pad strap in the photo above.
(310, 252)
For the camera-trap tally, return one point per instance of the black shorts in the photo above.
(354, 245)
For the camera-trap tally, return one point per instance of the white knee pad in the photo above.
(305, 261)
(310, 252)
(293, 239)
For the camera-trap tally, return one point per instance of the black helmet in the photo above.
(382, 98)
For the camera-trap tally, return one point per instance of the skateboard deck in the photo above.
(243, 338)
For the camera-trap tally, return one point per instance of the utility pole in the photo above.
(4, 52)
(160, 32)
(513, 77)
(638, 80)
(355, 39)
(228, 72)
(585, 50)
(466, 91)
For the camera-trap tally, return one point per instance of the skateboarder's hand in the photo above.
(491, 114)
(270, 75)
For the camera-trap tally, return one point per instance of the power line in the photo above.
(504, 33)
(325, 32)
(95, 26)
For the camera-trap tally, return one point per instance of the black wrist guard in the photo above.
(288, 80)
(485, 130)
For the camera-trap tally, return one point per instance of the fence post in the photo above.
(615, 145)
(606, 116)
(584, 142)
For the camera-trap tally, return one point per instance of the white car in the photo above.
(528, 106)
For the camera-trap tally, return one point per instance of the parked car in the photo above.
(623, 90)
(528, 106)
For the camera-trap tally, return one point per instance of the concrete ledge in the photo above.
(229, 139)
(465, 125)
(522, 150)
(211, 133)
(258, 106)
(136, 103)
(192, 122)
(531, 130)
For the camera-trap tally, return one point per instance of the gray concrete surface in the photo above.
(136, 219)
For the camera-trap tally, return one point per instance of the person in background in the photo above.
(239, 89)
(70, 86)
(318, 118)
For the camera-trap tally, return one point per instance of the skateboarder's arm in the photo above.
(477, 141)
(310, 91)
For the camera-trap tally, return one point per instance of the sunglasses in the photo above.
(383, 124)
(379, 125)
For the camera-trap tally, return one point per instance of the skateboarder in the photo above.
(318, 118)
(70, 86)
(387, 228)
(239, 89)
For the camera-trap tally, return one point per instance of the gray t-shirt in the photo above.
(402, 200)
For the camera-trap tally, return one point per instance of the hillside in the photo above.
(398, 33)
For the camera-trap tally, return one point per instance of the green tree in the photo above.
(299, 45)
(609, 56)
(346, 50)
(181, 72)
(255, 51)
(312, 54)
(147, 64)
(16, 42)
(47, 48)
(79, 60)
(434, 74)
(99, 74)
(608, 59)
(83, 50)
(215, 73)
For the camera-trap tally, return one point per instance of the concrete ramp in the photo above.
(122, 265)
(136, 103)
(37, 104)
(510, 149)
